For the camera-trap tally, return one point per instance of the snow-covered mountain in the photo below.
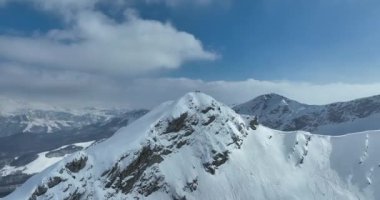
(21, 168)
(40, 121)
(198, 148)
(281, 113)
(39, 138)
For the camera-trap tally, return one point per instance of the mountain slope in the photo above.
(24, 154)
(281, 113)
(198, 148)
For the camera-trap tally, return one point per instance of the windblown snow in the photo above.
(198, 148)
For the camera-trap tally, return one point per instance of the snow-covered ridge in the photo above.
(281, 113)
(198, 148)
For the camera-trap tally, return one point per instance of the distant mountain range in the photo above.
(281, 113)
(198, 148)
(33, 139)
(51, 121)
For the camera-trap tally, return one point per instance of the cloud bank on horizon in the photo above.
(106, 54)
(69, 90)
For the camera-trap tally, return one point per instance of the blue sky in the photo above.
(317, 43)
(321, 41)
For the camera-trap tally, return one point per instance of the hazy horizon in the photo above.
(140, 53)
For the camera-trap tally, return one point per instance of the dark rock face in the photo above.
(177, 124)
(142, 174)
(76, 165)
(253, 123)
(117, 178)
(207, 110)
(75, 196)
(191, 186)
(210, 120)
(218, 160)
(54, 181)
(41, 189)
(177, 197)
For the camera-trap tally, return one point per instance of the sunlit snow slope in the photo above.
(198, 148)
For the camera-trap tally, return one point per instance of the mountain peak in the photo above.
(195, 126)
(339, 118)
(193, 100)
(272, 97)
(272, 102)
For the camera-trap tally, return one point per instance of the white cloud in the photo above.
(93, 58)
(81, 89)
(151, 92)
(54, 67)
(98, 43)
